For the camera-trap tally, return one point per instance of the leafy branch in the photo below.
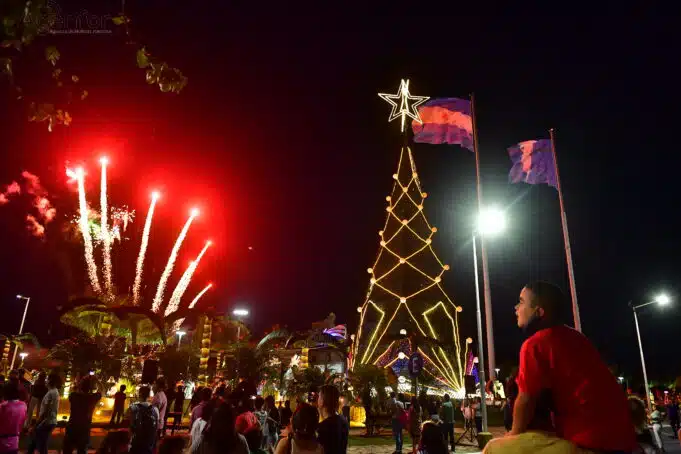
(23, 21)
(168, 78)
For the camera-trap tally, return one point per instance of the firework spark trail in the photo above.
(158, 299)
(196, 299)
(186, 278)
(85, 229)
(143, 250)
(108, 278)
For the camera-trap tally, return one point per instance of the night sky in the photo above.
(281, 140)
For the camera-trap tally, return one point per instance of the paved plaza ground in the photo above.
(382, 444)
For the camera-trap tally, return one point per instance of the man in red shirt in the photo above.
(563, 379)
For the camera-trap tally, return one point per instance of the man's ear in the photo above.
(540, 311)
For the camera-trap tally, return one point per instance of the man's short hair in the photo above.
(549, 297)
(144, 392)
(161, 383)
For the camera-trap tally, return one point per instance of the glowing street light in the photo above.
(491, 221)
(23, 356)
(239, 313)
(21, 327)
(661, 299)
(179, 333)
(403, 332)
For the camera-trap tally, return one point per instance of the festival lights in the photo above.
(408, 105)
(106, 238)
(196, 299)
(143, 249)
(186, 278)
(406, 219)
(79, 175)
(158, 299)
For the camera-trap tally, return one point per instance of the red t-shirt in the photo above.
(589, 407)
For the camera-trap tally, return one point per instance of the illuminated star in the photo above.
(405, 108)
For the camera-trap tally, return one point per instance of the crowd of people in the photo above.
(555, 405)
(221, 420)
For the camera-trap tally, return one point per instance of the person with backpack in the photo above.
(396, 409)
(144, 419)
(447, 417)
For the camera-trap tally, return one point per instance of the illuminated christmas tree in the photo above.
(406, 308)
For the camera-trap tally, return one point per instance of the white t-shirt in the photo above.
(197, 434)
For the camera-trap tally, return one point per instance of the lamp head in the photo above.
(662, 299)
(240, 312)
(180, 333)
(491, 221)
(19, 297)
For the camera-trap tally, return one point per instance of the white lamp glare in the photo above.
(662, 299)
(240, 312)
(491, 221)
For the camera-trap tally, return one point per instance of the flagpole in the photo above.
(566, 239)
(491, 363)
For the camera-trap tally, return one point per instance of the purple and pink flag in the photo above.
(533, 163)
(445, 120)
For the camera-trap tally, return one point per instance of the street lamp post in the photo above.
(179, 333)
(661, 300)
(21, 327)
(239, 313)
(23, 356)
(490, 221)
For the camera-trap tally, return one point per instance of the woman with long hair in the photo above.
(220, 435)
(333, 430)
(303, 439)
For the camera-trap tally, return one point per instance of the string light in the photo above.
(445, 367)
(408, 105)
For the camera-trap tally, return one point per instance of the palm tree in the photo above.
(98, 319)
(18, 341)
